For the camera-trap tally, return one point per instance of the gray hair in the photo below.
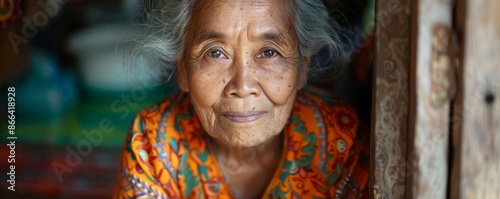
(166, 21)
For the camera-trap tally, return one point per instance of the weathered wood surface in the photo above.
(434, 86)
(478, 171)
(390, 99)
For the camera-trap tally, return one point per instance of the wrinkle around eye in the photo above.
(216, 53)
(273, 51)
(201, 50)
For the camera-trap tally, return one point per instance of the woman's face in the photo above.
(241, 68)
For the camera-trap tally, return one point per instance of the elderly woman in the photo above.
(241, 127)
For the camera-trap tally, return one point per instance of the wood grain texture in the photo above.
(434, 84)
(479, 171)
(390, 99)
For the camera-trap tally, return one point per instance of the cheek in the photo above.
(280, 86)
(206, 86)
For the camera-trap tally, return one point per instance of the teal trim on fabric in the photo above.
(299, 128)
(185, 116)
(203, 156)
(203, 170)
(191, 180)
(332, 179)
(174, 145)
(310, 149)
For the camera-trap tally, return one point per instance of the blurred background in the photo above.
(75, 99)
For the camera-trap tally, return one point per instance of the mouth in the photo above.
(243, 117)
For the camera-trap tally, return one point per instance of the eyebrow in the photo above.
(273, 36)
(204, 36)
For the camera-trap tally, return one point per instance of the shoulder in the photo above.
(154, 131)
(346, 138)
(150, 160)
(155, 118)
(334, 123)
(337, 123)
(163, 107)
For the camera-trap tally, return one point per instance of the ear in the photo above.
(182, 79)
(302, 79)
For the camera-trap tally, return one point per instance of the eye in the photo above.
(216, 53)
(269, 53)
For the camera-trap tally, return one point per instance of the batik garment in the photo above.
(167, 154)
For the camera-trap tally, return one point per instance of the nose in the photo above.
(244, 81)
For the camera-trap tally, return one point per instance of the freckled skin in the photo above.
(249, 72)
(248, 79)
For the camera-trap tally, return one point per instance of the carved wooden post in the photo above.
(390, 99)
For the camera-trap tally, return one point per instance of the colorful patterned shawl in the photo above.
(167, 155)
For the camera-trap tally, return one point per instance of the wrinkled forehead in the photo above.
(232, 15)
(278, 7)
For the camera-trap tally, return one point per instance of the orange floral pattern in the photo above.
(167, 154)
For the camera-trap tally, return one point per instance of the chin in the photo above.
(248, 139)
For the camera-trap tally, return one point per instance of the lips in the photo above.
(242, 117)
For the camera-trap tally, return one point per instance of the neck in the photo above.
(267, 155)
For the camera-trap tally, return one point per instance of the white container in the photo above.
(100, 53)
